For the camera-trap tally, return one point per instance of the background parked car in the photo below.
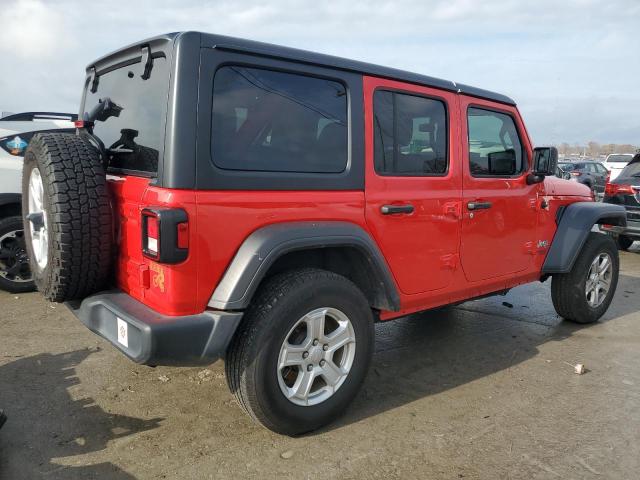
(616, 162)
(592, 174)
(15, 133)
(625, 191)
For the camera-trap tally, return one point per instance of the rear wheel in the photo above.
(624, 242)
(302, 351)
(15, 276)
(67, 216)
(584, 294)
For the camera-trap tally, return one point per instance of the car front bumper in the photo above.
(150, 338)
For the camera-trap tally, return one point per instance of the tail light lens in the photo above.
(576, 173)
(151, 234)
(612, 189)
(165, 234)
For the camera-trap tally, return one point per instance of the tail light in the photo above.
(575, 173)
(165, 234)
(612, 189)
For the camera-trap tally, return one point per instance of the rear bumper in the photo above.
(150, 338)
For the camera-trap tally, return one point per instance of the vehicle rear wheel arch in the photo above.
(10, 204)
(340, 247)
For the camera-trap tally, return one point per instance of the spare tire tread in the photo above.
(79, 215)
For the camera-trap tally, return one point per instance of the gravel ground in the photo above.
(486, 389)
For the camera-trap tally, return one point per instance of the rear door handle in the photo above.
(478, 205)
(391, 209)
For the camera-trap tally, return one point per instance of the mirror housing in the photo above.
(545, 161)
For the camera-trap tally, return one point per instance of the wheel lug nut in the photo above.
(325, 347)
(315, 342)
(322, 362)
(305, 354)
(309, 368)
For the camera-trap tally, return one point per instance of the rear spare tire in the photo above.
(67, 216)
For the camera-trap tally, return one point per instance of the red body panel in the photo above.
(437, 255)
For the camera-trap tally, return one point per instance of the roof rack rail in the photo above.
(30, 116)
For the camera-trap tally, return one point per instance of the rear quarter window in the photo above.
(272, 121)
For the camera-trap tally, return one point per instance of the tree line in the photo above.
(595, 149)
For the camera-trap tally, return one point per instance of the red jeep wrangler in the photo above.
(228, 198)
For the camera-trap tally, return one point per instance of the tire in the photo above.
(569, 290)
(624, 242)
(252, 359)
(70, 244)
(15, 276)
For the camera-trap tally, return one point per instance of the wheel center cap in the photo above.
(315, 354)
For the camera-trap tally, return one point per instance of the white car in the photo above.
(615, 162)
(15, 133)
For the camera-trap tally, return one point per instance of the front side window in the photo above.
(271, 121)
(410, 134)
(495, 149)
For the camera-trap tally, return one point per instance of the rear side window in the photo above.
(632, 169)
(495, 149)
(271, 121)
(133, 133)
(410, 135)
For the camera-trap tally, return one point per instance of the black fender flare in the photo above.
(575, 221)
(264, 246)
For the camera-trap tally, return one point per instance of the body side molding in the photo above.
(264, 246)
(574, 226)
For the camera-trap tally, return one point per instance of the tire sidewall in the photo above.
(284, 316)
(40, 275)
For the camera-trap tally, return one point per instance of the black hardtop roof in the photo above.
(208, 40)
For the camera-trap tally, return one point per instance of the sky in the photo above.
(573, 66)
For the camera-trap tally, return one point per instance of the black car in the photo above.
(592, 174)
(625, 190)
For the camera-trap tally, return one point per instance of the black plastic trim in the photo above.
(264, 246)
(574, 226)
(156, 339)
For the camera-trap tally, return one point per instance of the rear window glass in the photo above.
(631, 170)
(271, 121)
(133, 137)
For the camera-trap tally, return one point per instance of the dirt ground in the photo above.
(483, 390)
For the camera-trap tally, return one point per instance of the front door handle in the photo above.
(478, 205)
(391, 209)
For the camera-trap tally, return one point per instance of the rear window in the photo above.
(134, 137)
(271, 121)
(619, 158)
(631, 170)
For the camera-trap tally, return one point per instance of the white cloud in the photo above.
(557, 59)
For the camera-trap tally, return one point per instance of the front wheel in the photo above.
(584, 294)
(302, 351)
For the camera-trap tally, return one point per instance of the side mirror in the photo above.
(545, 161)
